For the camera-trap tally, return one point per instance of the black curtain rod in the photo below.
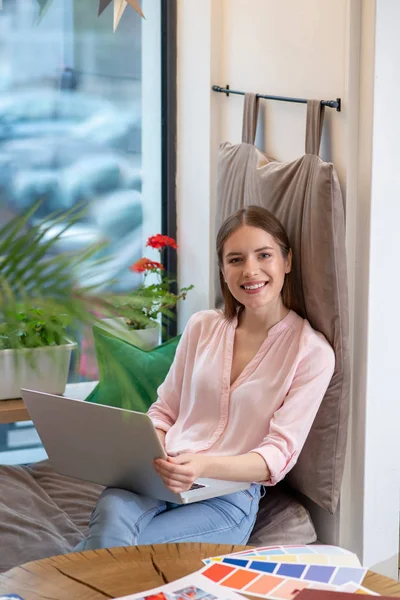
(330, 103)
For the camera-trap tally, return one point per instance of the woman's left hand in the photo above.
(179, 472)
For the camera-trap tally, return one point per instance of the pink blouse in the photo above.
(270, 407)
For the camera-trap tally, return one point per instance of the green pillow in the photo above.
(129, 376)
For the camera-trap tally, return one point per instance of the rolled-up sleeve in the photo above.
(291, 423)
(165, 410)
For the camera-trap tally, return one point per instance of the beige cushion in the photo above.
(76, 499)
(305, 196)
(282, 519)
(43, 514)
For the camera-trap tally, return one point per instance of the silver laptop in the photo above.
(109, 446)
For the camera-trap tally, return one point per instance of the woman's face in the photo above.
(254, 267)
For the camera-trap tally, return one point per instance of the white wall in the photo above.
(286, 48)
(315, 49)
(198, 136)
(382, 447)
(240, 43)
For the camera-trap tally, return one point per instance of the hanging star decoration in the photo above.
(119, 7)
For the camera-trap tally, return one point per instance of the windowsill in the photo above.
(12, 411)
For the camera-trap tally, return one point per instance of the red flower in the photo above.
(161, 241)
(145, 264)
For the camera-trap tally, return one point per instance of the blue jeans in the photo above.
(122, 518)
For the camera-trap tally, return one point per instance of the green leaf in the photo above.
(40, 298)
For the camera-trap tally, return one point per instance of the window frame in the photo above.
(168, 141)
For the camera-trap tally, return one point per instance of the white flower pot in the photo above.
(47, 371)
(142, 338)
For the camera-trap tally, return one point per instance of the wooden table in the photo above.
(12, 411)
(102, 574)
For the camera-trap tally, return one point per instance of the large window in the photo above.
(81, 120)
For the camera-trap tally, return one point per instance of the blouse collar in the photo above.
(278, 327)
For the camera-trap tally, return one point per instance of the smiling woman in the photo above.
(248, 419)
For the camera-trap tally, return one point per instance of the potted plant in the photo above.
(42, 361)
(43, 305)
(139, 313)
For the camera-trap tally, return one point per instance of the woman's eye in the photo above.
(265, 255)
(234, 260)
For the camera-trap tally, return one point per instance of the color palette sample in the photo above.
(217, 572)
(313, 555)
(264, 584)
(239, 579)
(280, 572)
(270, 565)
(319, 573)
(315, 573)
(271, 586)
(345, 575)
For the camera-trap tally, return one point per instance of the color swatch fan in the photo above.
(281, 571)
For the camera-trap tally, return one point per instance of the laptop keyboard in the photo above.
(196, 486)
